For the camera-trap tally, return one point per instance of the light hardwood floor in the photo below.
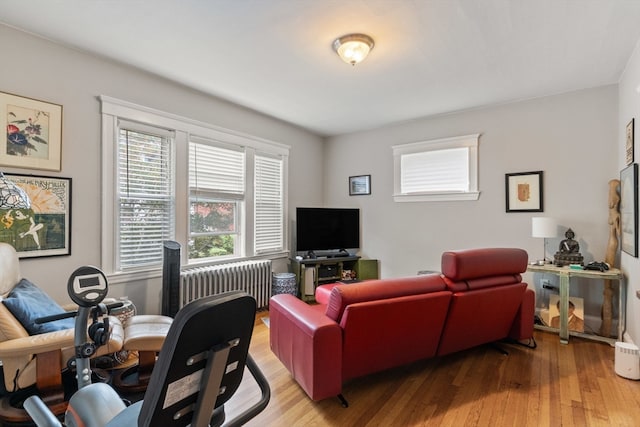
(553, 385)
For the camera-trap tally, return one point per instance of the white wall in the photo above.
(571, 137)
(47, 71)
(629, 107)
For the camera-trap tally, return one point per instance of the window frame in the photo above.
(112, 110)
(466, 141)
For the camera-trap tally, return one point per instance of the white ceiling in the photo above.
(275, 56)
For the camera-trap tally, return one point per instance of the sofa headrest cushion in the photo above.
(478, 263)
(27, 303)
(482, 283)
(344, 295)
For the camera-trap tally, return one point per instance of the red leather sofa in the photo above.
(379, 324)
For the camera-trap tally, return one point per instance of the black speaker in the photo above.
(171, 278)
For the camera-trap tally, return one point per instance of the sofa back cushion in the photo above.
(483, 268)
(384, 333)
(372, 290)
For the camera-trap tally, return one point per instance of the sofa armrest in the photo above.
(308, 343)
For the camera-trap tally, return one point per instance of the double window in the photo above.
(221, 195)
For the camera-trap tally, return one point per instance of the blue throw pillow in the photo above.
(27, 303)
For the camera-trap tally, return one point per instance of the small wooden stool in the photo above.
(145, 334)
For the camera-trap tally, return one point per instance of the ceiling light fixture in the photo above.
(353, 48)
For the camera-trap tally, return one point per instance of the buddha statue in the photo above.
(569, 251)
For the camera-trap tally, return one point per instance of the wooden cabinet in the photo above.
(317, 271)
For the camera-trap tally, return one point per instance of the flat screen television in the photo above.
(325, 229)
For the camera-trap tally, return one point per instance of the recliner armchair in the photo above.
(38, 360)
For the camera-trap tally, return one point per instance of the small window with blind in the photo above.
(436, 170)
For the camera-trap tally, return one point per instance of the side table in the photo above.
(565, 274)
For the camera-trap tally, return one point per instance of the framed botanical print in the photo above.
(33, 137)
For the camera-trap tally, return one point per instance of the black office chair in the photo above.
(199, 368)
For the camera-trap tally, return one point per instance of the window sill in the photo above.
(436, 197)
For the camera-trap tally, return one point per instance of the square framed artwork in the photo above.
(629, 142)
(33, 136)
(629, 209)
(524, 192)
(45, 228)
(359, 185)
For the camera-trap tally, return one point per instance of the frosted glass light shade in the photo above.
(353, 48)
(12, 196)
(544, 227)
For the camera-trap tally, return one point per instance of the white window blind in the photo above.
(435, 171)
(216, 170)
(269, 207)
(145, 193)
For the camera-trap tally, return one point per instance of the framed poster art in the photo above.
(33, 136)
(45, 228)
(524, 192)
(629, 209)
(629, 143)
(359, 185)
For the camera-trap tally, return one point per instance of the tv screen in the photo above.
(321, 229)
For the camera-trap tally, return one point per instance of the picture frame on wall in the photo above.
(359, 185)
(629, 143)
(524, 192)
(629, 209)
(33, 137)
(45, 228)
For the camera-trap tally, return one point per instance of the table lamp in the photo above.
(546, 228)
(12, 196)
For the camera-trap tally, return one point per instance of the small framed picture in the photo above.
(33, 137)
(524, 192)
(629, 146)
(359, 185)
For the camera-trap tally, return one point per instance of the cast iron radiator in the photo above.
(252, 277)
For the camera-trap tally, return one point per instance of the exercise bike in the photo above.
(199, 368)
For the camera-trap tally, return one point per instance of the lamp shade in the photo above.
(353, 48)
(12, 196)
(544, 227)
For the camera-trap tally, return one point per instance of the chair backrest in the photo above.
(9, 268)
(201, 362)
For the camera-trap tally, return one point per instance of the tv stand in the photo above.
(311, 272)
